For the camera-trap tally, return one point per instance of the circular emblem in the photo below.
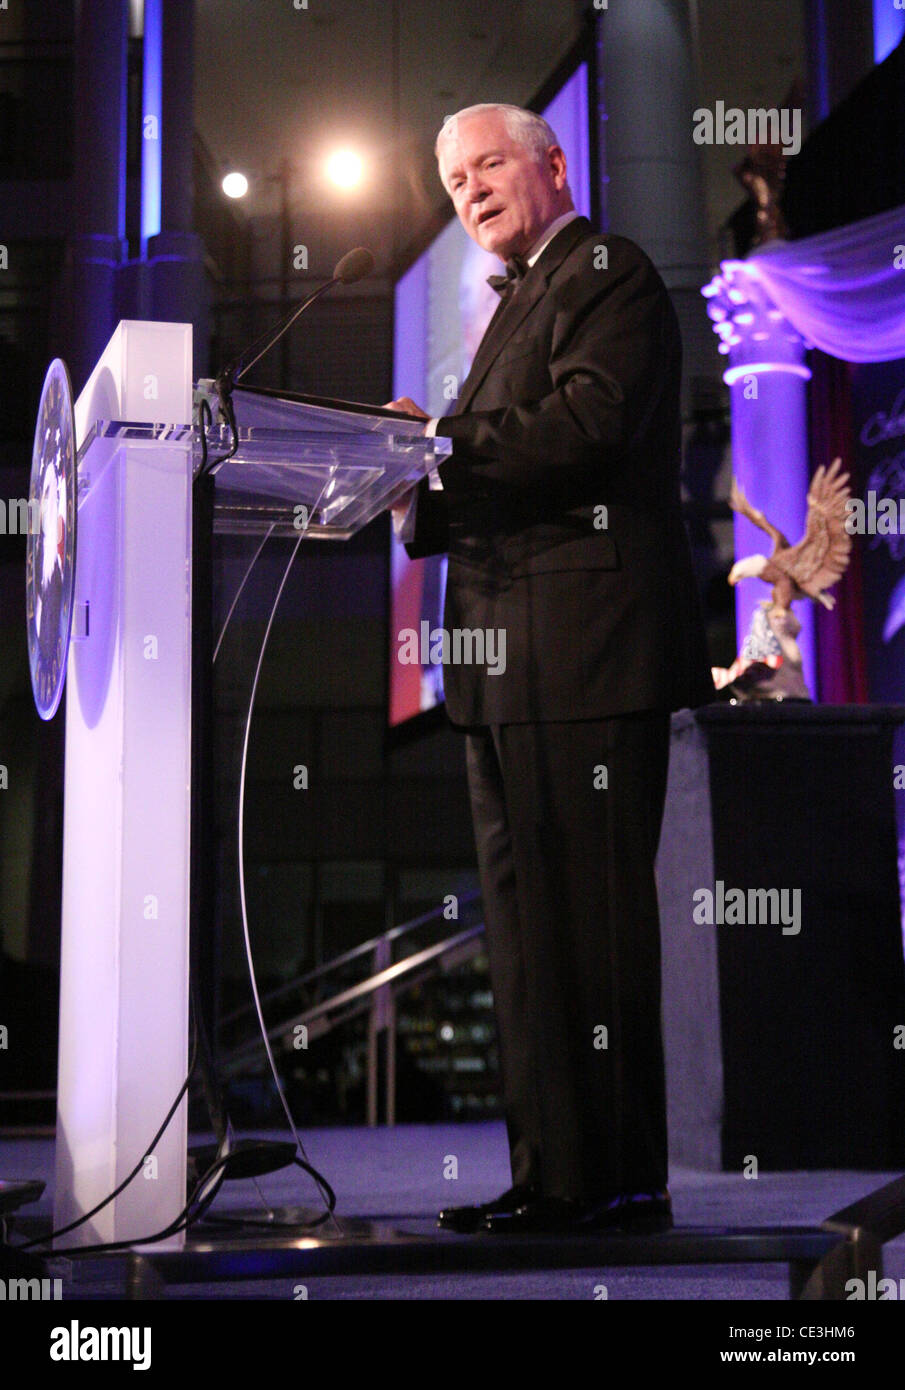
(50, 564)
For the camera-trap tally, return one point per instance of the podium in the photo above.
(296, 467)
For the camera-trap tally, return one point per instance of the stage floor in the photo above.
(395, 1178)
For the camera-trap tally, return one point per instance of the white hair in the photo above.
(526, 128)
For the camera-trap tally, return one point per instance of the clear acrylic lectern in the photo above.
(322, 470)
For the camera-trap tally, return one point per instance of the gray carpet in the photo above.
(398, 1174)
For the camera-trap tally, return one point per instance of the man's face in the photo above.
(503, 196)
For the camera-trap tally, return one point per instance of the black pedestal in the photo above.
(781, 1043)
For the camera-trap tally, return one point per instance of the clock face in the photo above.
(50, 565)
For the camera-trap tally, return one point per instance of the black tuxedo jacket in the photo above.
(571, 407)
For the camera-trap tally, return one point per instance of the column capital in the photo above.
(99, 248)
(755, 333)
(176, 246)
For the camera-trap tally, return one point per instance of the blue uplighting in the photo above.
(152, 125)
(889, 27)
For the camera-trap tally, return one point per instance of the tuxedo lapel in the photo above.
(517, 308)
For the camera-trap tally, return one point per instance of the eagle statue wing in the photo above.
(739, 503)
(821, 556)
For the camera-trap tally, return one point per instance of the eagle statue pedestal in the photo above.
(769, 666)
(780, 1038)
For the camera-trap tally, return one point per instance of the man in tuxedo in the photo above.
(560, 514)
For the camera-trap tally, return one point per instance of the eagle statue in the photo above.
(769, 665)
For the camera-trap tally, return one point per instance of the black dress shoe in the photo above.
(467, 1220)
(641, 1213)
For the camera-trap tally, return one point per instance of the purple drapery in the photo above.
(843, 291)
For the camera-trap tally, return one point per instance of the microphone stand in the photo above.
(353, 266)
(232, 374)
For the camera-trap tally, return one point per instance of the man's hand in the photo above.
(407, 405)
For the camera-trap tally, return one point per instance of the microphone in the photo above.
(353, 266)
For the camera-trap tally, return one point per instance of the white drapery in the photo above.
(844, 290)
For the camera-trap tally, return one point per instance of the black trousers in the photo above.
(567, 874)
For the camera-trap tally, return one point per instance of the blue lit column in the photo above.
(98, 247)
(178, 288)
(767, 376)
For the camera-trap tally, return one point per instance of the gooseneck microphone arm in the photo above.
(355, 265)
(234, 373)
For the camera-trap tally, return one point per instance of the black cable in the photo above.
(203, 406)
(187, 1217)
(198, 1200)
(64, 1230)
(226, 408)
(184, 1219)
(311, 1225)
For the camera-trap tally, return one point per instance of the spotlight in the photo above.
(235, 185)
(345, 169)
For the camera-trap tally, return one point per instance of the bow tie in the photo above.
(516, 270)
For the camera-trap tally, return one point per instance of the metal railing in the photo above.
(376, 995)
